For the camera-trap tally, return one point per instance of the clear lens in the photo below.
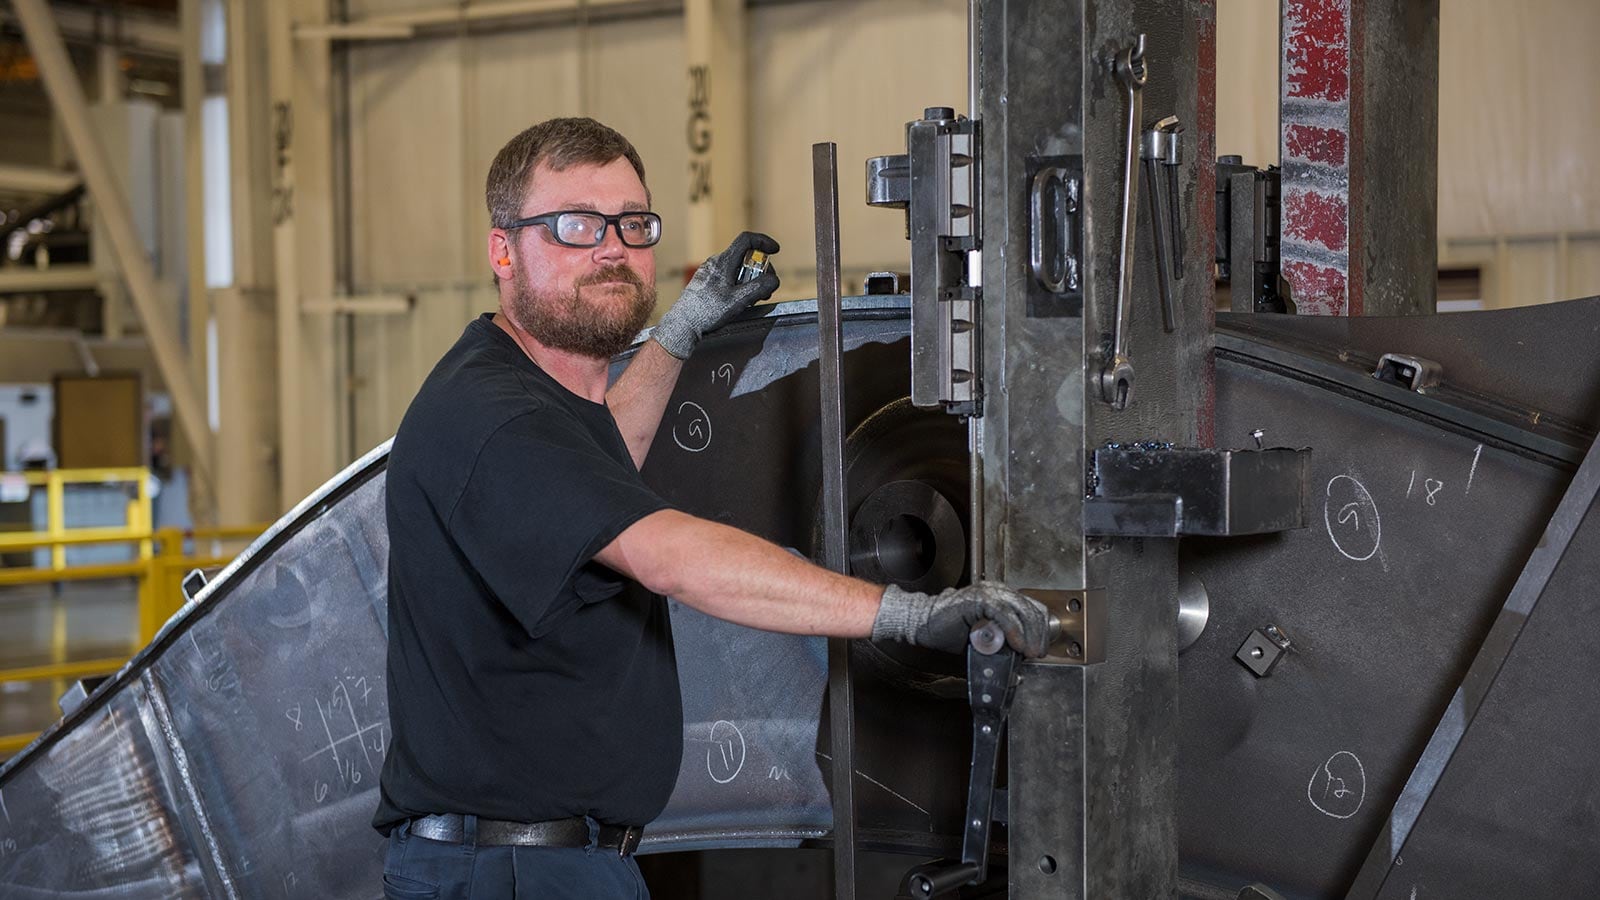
(640, 230)
(579, 229)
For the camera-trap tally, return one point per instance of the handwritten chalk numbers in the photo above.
(1433, 489)
(1351, 517)
(1338, 786)
(8, 846)
(692, 430)
(343, 740)
(725, 756)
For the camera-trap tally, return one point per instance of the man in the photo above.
(533, 695)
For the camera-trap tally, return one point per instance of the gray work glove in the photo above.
(713, 296)
(944, 621)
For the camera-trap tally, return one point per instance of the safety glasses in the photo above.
(584, 228)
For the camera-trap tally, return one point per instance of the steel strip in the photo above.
(180, 761)
(1448, 416)
(1497, 647)
(830, 335)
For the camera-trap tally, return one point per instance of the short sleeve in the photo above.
(542, 499)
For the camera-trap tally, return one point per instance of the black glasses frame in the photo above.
(548, 220)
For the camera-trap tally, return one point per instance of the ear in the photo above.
(500, 255)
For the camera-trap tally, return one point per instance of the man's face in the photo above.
(588, 300)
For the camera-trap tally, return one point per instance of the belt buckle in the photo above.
(630, 840)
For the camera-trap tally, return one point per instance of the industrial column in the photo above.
(1075, 354)
(714, 41)
(309, 401)
(1360, 151)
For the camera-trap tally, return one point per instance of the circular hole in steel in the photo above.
(1075, 605)
(1047, 865)
(1075, 650)
(907, 533)
(906, 547)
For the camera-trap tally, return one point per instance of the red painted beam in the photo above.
(1321, 116)
(1206, 134)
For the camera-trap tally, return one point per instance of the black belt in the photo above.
(573, 832)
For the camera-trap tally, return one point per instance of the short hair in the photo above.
(560, 144)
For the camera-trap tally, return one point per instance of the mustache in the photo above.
(617, 272)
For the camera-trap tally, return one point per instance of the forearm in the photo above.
(639, 397)
(733, 575)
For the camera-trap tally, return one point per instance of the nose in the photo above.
(610, 250)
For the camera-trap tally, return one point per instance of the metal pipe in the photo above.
(830, 334)
(455, 13)
(27, 280)
(36, 179)
(61, 83)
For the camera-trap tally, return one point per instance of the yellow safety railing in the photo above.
(159, 569)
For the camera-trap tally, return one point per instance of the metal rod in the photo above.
(1575, 505)
(1161, 231)
(830, 335)
(66, 96)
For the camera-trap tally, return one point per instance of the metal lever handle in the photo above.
(1116, 379)
(991, 683)
(1053, 201)
(1160, 150)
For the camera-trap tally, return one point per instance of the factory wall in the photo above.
(427, 117)
(423, 118)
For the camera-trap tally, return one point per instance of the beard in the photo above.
(601, 328)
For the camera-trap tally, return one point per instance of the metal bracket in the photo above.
(1163, 491)
(1262, 649)
(1410, 372)
(1055, 236)
(936, 182)
(1082, 614)
(193, 583)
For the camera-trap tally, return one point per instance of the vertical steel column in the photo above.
(309, 402)
(1359, 144)
(830, 334)
(202, 495)
(1092, 759)
(248, 486)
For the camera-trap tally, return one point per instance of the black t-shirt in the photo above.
(526, 681)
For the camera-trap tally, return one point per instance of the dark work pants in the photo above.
(419, 869)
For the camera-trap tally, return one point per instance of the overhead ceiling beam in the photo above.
(146, 34)
(36, 180)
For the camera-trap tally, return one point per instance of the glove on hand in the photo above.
(945, 621)
(713, 296)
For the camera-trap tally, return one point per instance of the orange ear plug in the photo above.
(505, 261)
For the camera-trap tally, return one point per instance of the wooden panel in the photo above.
(99, 421)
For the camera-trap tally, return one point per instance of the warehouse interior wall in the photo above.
(428, 115)
(420, 119)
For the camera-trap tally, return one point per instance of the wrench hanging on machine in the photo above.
(1116, 378)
